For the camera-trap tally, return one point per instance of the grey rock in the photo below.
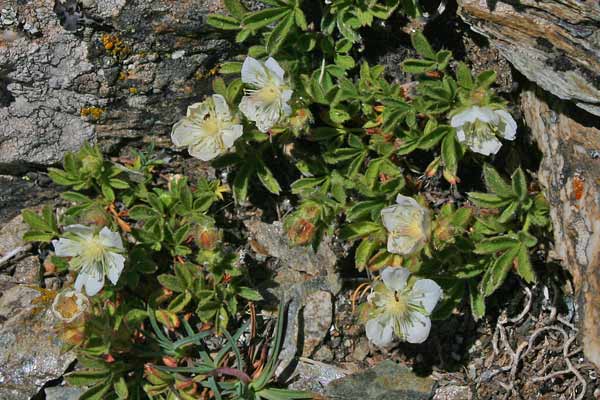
(30, 352)
(314, 376)
(11, 234)
(27, 270)
(17, 193)
(64, 81)
(361, 349)
(453, 392)
(62, 393)
(317, 316)
(304, 277)
(553, 44)
(571, 175)
(386, 381)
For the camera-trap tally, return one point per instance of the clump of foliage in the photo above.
(170, 311)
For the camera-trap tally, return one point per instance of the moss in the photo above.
(92, 112)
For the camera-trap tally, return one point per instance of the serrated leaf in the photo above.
(171, 282)
(488, 200)
(223, 22)
(496, 244)
(280, 33)
(235, 8)
(230, 68)
(422, 46)
(250, 294)
(519, 184)
(87, 377)
(267, 179)
(260, 19)
(413, 66)
(495, 183)
(240, 183)
(524, 267)
(464, 76)
(363, 253)
(486, 79)
(359, 229)
(496, 275)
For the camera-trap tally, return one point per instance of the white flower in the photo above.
(208, 130)
(266, 103)
(400, 310)
(477, 127)
(408, 224)
(68, 305)
(94, 255)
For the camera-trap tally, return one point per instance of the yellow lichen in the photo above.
(133, 90)
(92, 112)
(114, 45)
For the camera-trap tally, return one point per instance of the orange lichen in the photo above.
(114, 45)
(92, 112)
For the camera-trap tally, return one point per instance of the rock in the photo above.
(361, 349)
(30, 352)
(72, 82)
(554, 44)
(27, 270)
(314, 376)
(17, 193)
(307, 280)
(386, 381)
(323, 354)
(11, 234)
(63, 393)
(453, 392)
(317, 316)
(570, 173)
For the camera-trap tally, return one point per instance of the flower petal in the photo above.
(275, 69)
(92, 279)
(460, 135)
(116, 262)
(403, 245)
(66, 247)
(186, 132)
(267, 117)
(395, 278)
(285, 97)
(221, 107)
(249, 106)
(391, 218)
(253, 72)
(426, 293)
(510, 125)
(486, 147)
(206, 149)
(380, 332)
(198, 111)
(110, 239)
(80, 230)
(417, 330)
(231, 134)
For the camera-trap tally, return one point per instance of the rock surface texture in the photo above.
(570, 172)
(98, 70)
(554, 44)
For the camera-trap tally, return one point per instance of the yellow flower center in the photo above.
(269, 94)
(397, 304)
(211, 126)
(413, 229)
(94, 250)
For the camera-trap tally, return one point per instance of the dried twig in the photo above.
(14, 253)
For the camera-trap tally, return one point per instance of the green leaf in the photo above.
(223, 22)
(524, 267)
(121, 390)
(34, 236)
(118, 183)
(280, 33)
(451, 154)
(413, 66)
(262, 18)
(364, 209)
(97, 392)
(35, 222)
(240, 183)
(488, 200)
(495, 183)
(266, 177)
(230, 67)
(463, 75)
(495, 276)
(179, 302)
(300, 19)
(422, 46)
(171, 282)
(87, 377)
(235, 8)
(306, 183)
(108, 193)
(363, 253)
(359, 229)
(344, 61)
(477, 301)
(249, 294)
(486, 79)
(496, 244)
(509, 212)
(519, 184)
